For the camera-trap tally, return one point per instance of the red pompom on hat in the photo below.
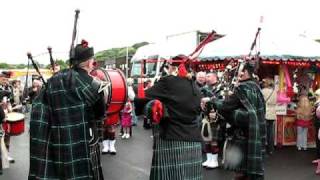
(182, 71)
(82, 53)
(84, 43)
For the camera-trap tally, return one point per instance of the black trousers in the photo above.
(270, 135)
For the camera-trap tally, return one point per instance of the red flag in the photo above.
(141, 93)
(199, 48)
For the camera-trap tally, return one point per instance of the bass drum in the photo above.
(118, 93)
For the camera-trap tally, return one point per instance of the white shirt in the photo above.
(131, 93)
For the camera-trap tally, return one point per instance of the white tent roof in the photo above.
(271, 44)
(166, 49)
(163, 50)
(147, 51)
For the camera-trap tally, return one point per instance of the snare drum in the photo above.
(14, 125)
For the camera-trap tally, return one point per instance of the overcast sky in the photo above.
(33, 25)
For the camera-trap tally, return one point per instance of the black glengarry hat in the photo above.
(250, 67)
(82, 53)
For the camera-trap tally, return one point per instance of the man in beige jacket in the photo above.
(270, 97)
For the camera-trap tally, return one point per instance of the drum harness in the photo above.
(102, 87)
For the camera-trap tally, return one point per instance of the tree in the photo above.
(118, 52)
(5, 66)
(20, 66)
(138, 45)
(108, 54)
(62, 64)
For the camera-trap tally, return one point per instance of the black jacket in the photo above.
(181, 97)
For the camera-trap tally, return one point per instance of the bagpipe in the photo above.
(154, 109)
(230, 76)
(111, 82)
(234, 148)
(35, 66)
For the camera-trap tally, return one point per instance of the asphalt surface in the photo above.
(133, 161)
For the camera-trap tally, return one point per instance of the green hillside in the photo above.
(118, 52)
(100, 56)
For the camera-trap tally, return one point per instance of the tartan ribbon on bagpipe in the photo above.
(185, 62)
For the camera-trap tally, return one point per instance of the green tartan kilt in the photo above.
(216, 132)
(95, 161)
(176, 160)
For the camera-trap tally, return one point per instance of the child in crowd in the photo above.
(304, 116)
(211, 134)
(126, 120)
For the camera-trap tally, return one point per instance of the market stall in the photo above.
(291, 60)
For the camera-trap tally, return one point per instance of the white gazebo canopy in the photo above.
(272, 44)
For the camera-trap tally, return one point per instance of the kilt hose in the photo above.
(95, 158)
(176, 160)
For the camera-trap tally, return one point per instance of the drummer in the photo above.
(6, 106)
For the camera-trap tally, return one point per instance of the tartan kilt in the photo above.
(95, 158)
(176, 160)
(216, 132)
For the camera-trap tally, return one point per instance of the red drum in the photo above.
(118, 92)
(14, 125)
